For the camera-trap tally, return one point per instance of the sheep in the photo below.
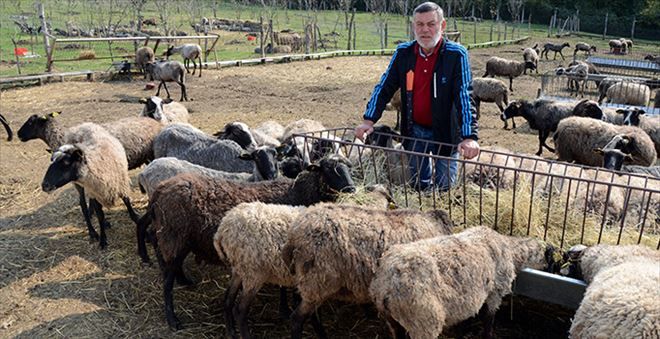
(555, 48)
(270, 128)
(5, 124)
(250, 238)
(653, 58)
(542, 115)
(190, 52)
(503, 67)
(396, 163)
(583, 47)
(161, 169)
(165, 111)
(187, 209)
(530, 54)
(246, 137)
(490, 90)
(577, 137)
(617, 46)
(628, 43)
(94, 160)
(487, 175)
(628, 93)
(395, 104)
(588, 108)
(604, 85)
(426, 286)
(136, 134)
(577, 76)
(291, 39)
(143, 56)
(168, 71)
(621, 296)
(332, 251)
(188, 143)
(301, 126)
(615, 155)
(650, 125)
(656, 100)
(282, 49)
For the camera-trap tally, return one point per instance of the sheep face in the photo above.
(153, 107)
(65, 167)
(530, 65)
(590, 109)
(613, 159)
(631, 116)
(238, 132)
(265, 162)
(515, 109)
(336, 173)
(379, 136)
(34, 126)
(291, 167)
(169, 51)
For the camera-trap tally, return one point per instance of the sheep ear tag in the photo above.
(143, 100)
(54, 114)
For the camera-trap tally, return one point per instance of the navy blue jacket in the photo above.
(454, 115)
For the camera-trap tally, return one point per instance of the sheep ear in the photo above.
(599, 151)
(50, 151)
(43, 117)
(629, 157)
(246, 156)
(77, 154)
(313, 168)
(54, 114)
(143, 100)
(621, 111)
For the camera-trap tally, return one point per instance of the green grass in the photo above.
(367, 35)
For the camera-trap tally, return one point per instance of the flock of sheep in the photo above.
(257, 201)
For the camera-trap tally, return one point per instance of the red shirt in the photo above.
(422, 83)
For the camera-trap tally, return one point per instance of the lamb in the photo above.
(190, 52)
(650, 125)
(426, 286)
(94, 160)
(185, 142)
(143, 56)
(168, 71)
(250, 238)
(161, 169)
(187, 209)
(490, 90)
(621, 296)
(301, 126)
(629, 93)
(503, 67)
(166, 111)
(628, 43)
(332, 251)
(577, 137)
(271, 128)
(583, 47)
(542, 115)
(5, 124)
(577, 76)
(530, 54)
(555, 48)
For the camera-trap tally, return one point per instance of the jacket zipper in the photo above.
(435, 86)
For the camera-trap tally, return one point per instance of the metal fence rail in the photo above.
(561, 87)
(514, 193)
(626, 67)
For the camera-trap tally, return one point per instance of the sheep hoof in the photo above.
(106, 224)
(93, 237)
(175, 324)
(103, 244)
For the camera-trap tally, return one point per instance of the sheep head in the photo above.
(66, 163)
(35, 125)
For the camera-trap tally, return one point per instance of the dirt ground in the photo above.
(54, 282)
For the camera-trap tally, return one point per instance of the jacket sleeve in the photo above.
(384, 90)
(467, 112)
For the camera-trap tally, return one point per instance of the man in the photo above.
(434, 77)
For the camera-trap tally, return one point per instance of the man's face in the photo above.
(428, 29)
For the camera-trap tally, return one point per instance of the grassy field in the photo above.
(232, 45)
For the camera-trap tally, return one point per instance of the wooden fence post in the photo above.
(605, 29)
(632, 30)
(18, 62)
(44, 30)
(261, 36)
(354, 28)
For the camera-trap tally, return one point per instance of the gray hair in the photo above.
(430, 7)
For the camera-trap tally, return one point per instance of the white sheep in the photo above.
(333, 250)
(496, 66)
(95, 160)
(143, 56)
(250, 239)
(166, 111)
(621, 300)
(629, 93)
(490, 90)
(577, 138)
(188, 143)
(190, 52)
(577, 76)
(271, 128)
(168, 71)
(530, 54)
(162, 169)
(426, 286)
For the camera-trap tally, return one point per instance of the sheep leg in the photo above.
(181, 278)
(103, 241)
(141, 229)
(230, 299)
(85, 211)
(184, 95)
(477, 104)
(186, 64)
(194, 66)
(511, 84)
(488, 319)
(543, 139)
(159, 86)
(285, 311)
(562, 55)
(247, 297)
(166, 90)
(302, 312)
(172, 320)
(397, 331)
(131, 212)
(200, 66)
